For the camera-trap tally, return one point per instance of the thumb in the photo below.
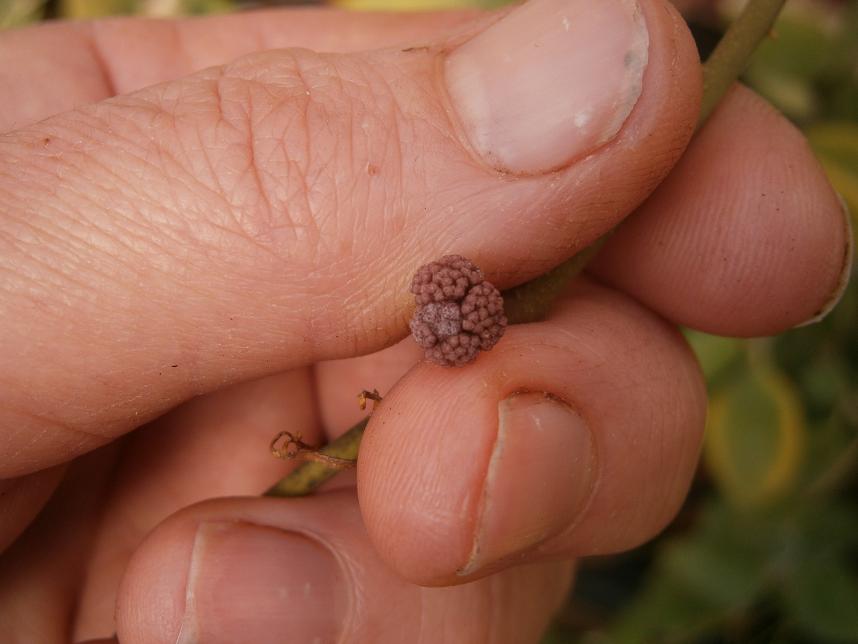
(269, 213)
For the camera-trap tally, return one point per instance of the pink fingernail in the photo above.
(250, 583)
(539, 477)
(550, 82)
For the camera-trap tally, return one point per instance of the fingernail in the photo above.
(845, 272)
(550, 82)
(251, 583)
(539, 477)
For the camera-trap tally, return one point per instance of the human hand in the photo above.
(258, 223)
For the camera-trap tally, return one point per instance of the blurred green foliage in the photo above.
(766, 547)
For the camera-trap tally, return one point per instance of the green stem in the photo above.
(531, 301)
(734, 50)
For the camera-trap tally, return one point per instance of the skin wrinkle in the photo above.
(239, 228)
(357, 97)
(379, 92)
(351, 162)
(79, 243)
(221, 191)
(196, 185)
(47, 424)
(47, 266)
(305, 134)
(266, 183)
(494, 622)
(359, 168)
(70, 233)
(44, 269)
(101, 63)
(134, 204)
(247, 128)
(89, 91)
(203, 152)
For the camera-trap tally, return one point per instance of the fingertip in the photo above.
(417, 476)
(453, 485)
(150, 602)
(746, 237)
(261, 571)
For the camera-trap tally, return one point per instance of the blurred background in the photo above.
(765, 548)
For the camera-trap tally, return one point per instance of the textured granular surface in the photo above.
(458, 312)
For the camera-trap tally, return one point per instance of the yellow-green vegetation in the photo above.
(766, 547)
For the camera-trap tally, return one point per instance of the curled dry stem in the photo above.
(322, 464)
(294, 447)
(365, 395)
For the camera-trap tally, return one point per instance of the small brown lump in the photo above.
(458, 312)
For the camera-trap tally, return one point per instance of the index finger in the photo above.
(57, 67)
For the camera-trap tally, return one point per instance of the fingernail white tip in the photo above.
(845, 274)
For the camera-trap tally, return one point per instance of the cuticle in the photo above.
(314, 537)
(347, 572)
(595, 460)
(595, 478)
(482, 504)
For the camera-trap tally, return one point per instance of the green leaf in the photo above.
(16, 13)
(838, 141)
(663, 612)
(836, 145)
(556, 636)
(703, 579)
(822, 597)
(415, 5)
(721, 575)
(717, 355)
(754, 437)
(82, 9)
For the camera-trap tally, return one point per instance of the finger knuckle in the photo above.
(289, 141)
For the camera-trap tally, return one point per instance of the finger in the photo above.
(40, 572)
(22, 498)
(745, 237)
(216, 446)
(339, 381)
(263, 570)
(269, 214)
(576, 436)
(213, 446)
(52, 68)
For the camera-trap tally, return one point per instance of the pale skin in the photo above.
(154, 250)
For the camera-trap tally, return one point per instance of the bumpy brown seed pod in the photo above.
(458, 312)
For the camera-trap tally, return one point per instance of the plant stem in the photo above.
(734, 50)
(311, 474)
(531, 301)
